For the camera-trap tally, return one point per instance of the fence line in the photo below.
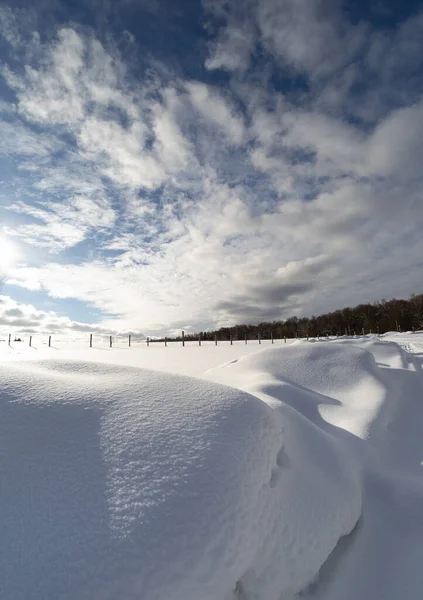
(112, 341)
(199, 338)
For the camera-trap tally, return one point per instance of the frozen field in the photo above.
(258, 472)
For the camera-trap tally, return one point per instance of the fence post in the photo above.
(30, 340)
(246, 339)
(10, 338)
(230, 339)
(284, 337)
(271, 336)
(296, 334)
(259, 337)
(183, 338)
(91, 340)
(307, 335)
(129, 341)
(199, 339)
(110, 341)
(165, 342)
(49, 341)
(215, 339)
(363, 331)
(148, 342)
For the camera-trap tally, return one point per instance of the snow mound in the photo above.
(127, 483)
(322, 367)
(338, 382)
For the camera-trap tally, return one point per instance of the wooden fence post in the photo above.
(284, 337)
(230, 339)
(91, 340)
(165, 342)
(30, 340)
(110, 341)
(148, 342)
(246, 339)
(363, 331)
(199, 339)
(49, 341)
(271, 336)
(183, 338)
(215, 339)
(129, 341)
(10, 338)
(259, 337)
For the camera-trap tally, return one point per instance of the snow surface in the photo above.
(267, 472)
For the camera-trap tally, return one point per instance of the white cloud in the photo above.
(313, 38)
(118, 151)
(63, 225)
(234, 42)
(54, 95)
(9, 29)
(215, 109)
(232, 50)
(17, 139)
(24, 319)
(396, 147)
(170, 144)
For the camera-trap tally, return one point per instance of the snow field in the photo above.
(120, 483)
(188, 360)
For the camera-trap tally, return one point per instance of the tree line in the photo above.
(379, 317)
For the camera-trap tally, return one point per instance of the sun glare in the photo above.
(8, 253)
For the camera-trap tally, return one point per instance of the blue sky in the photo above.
(169, 165)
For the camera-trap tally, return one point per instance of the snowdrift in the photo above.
(124, 483)
(334, 383)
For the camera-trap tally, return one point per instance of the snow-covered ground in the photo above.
(257, 472)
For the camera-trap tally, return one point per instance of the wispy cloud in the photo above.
(63, 225)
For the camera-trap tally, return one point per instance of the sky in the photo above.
(187, 164)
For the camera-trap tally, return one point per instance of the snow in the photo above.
(341, 381)
(269, 472)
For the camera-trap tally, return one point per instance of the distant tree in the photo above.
(416, 311)
(382, 316)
